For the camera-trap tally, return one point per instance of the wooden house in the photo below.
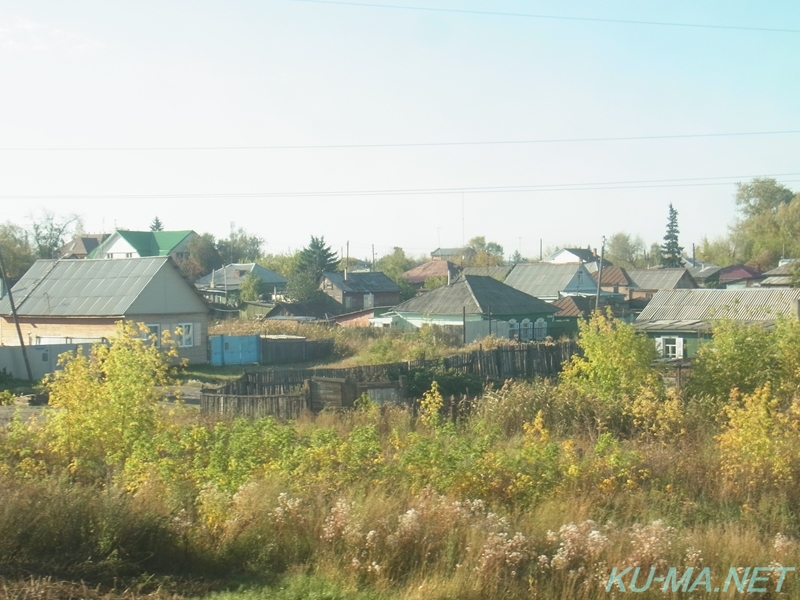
(356, 291)
(81, 301)
(679, 321)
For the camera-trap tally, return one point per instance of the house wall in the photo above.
(62, 330)
(692, 340)
(120, 248)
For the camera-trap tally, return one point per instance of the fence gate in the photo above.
(234, 349)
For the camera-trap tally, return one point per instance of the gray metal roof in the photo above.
(499, 273)
(478, 295)
(368, 283)
(548, 280)
(777, 280)
(784, 269)
(227, 278)
(95, 288)
(751, 304)
(658, 279)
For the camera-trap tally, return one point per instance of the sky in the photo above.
(411, 123)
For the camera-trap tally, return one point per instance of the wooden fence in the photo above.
(284, 393)
(288, 350)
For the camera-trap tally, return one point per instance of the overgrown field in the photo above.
(540, 490)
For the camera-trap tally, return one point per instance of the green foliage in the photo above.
(107, 403)
(156, 225)
(616, 362)
(746, 357)
(303, 286)
(487, 254)
(283, 264)
(450, 382)
(317, 258)
(671, 251)
(431, 283)
(202, 257)
(625, 250)
(15, 249)
(251, 288)
(762, 195)
(240, 247)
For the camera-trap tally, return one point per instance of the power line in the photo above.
(553, 187)
(411, 144)
(549, 17)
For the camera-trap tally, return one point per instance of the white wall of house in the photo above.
(119, 248)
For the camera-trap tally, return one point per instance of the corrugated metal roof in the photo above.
(77, 288)
(548, 280)
(574, 306)
(777, 280)
(785, 269)
(478, 295)
(658, 279)
(752, 304)
(227, 276)
(499, 273)
(612, 275)
(367, 283)
(432, 268)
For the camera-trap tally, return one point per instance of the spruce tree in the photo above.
(156, 225)
(671, 251)
(317, 258)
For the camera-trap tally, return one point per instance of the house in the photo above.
(615, 279)
(497, 272)
(704, 273)
(551, 281)
(649, 281)
(136, 244)
(738, 276)
(354, 291)
(780, 276)
(572, 309)
(81, 301)
(223, 284)
(442, 270)
(454, 255)
(81, 245)
(680, 320)
(575, 255)
(483, 305)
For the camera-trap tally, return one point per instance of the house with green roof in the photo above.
(124, 243)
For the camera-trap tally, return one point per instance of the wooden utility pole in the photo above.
(600, 274)
(16, 319)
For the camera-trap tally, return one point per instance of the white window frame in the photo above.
(153, 329)
(186, 335)
(526, 330)
(539, 329)
(670, 350)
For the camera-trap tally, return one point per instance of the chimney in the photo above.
(448, 274)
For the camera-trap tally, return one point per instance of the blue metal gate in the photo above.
(234, 349)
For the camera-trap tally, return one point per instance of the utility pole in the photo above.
(16, 320)
(600, 274)
(373, 257)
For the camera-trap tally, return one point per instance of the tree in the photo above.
(624, 250)
(202, 257)
(317, 258)
(615, 366)
(251, 288)
(16, 250)
(517, 258)
(487, 254)
(108, 402)
(283, 264)
(303, 286)
(240, 247)
(156, 225)
(760, 196)
(671, 251)
(50, 231)
(395, 264)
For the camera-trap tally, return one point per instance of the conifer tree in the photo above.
(156, 225)
(671, 251)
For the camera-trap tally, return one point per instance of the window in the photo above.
(186, 335)
(513, 329)
(526, 330)
(153, 333)
(348, 302)
(670, 347)
(369, 301)
(540, 329)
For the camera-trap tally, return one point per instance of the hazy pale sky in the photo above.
(121, 111)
